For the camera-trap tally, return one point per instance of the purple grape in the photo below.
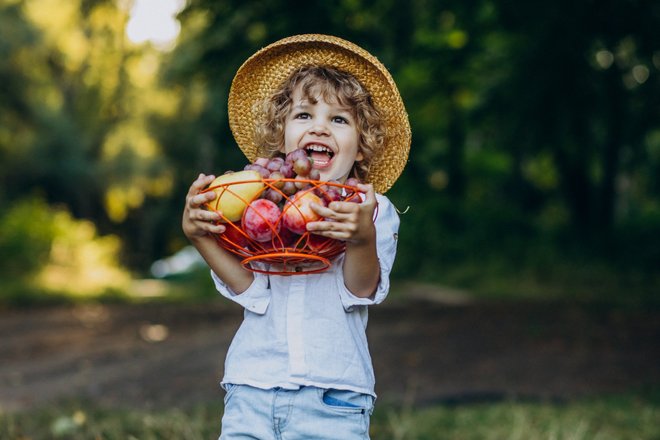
(261, 161)
(296, 155)
(273, 195)
(277, 177)
(275, 164)
(321, 190)
(263, 171)
(289, 188)
(258, 168)
(301, 182)
(287, 170)
(314, 174)
(302, 166)
(333, 194)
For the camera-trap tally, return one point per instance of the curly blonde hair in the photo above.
(332, 85)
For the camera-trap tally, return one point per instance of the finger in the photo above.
(344, 229)
(369, 192)
(200, 199)
(344, 207)
(200, 183)
(217, 228)
(318, 229)
(209, 221)
(207, 216)
(323, 211)
(339, 212)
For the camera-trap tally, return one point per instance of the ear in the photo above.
(359, 156)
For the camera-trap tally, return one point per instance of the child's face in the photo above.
(327, 131)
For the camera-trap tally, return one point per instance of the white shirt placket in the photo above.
(294, 328)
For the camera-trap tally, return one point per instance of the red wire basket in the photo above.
(284, 252)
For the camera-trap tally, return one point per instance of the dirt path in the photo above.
(423, 351)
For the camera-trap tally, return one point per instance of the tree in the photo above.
(582, 88)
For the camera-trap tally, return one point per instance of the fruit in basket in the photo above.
(263, 171)
(301, 162)
(234, 191)
(235, 235)
(287, 170)
(329, 192)
(275, 164)
(297, 211)
(318, 243)
(261, 220)
(284, 239)
(289, 188)
(273, 195)
(269, 205)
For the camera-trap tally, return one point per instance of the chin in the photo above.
(329, 174)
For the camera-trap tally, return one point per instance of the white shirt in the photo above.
(309, 330)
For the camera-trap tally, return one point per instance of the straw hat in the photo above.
(259, 77)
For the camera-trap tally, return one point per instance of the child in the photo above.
(299, 365)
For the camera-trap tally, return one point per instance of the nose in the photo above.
(319, 128)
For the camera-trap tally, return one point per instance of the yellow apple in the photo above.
(234, 193)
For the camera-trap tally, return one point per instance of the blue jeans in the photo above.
(306, 413)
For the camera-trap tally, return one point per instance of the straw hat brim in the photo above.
(264, 72)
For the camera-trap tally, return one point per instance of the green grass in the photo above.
(614, 417)
(619, 417)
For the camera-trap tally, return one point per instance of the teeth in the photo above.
(319, 148)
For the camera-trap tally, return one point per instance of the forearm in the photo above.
(361, 268)
(223, 263)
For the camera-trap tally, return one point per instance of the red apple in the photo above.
(297, 211)
(261, 220)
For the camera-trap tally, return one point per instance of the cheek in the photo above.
(288, 142)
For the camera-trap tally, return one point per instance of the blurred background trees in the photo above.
(535, 162)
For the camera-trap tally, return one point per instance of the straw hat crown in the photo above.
(264, 72)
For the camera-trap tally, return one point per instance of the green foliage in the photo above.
(49, 257)
(26, 236)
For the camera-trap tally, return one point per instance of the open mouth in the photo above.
(320, 154)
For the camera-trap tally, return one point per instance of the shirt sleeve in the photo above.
(387, 230)
(255, 298)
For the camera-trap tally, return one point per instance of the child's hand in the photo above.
(349, 221)
(198, 222)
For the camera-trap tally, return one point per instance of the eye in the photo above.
(301, 115)
(340, 120)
